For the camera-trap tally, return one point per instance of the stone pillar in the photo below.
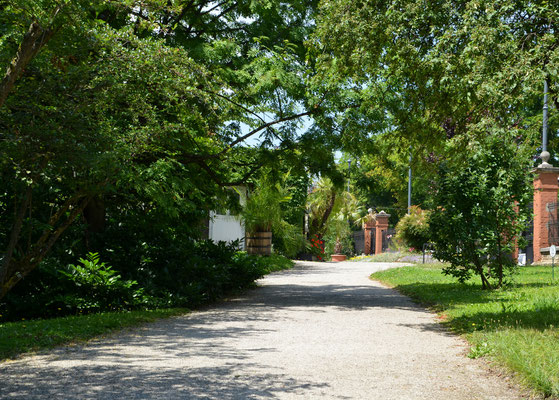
(381, 226)
(368, 228)
(545, 192)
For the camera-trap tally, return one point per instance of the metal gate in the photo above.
(373, 244)
(387, 239)
(362, 246)
(359, 242)
(528, 235)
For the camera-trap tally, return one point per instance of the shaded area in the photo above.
(323, 297)
(444, 295)
(162, 365)
(110, 381)
(509, 317)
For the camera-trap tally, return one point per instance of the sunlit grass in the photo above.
(517, 326)
(383, 257)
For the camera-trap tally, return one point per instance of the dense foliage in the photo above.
(123, 123)
(194, 273)
(112, 112)
(447, 79)
(413, 229)
(481, 211)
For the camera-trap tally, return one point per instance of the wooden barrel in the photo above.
(259, 243)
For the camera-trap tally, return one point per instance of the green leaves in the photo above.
(480, 210)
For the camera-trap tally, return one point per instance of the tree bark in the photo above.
(35, 38)
(328, 210)
(17, 270)
(14, 236)
(94, 214)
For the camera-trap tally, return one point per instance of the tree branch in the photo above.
(22, 268)
(33, 41)
(262, 127)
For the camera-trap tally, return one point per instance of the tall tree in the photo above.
(151, 100)
(442, 69)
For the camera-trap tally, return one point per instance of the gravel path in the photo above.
(321, 330)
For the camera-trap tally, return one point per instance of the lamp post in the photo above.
(545, 154)
(545, 116)
(348, 173)
(409, 186)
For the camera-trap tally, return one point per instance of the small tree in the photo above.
(481, 210)
(413, 229)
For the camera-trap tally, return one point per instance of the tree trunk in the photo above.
(94, 214)
(485, 284)
(14, 235)
(35, 38)
(17, 270)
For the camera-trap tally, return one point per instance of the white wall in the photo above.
(226, 228)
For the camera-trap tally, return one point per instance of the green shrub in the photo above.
(413, 229)
(186, 276)
(97, 287)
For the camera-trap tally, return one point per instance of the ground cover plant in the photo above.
(383, 257)
(190, 276)
(22, 335)
(518, 326)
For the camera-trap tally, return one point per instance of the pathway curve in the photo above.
(321, 330)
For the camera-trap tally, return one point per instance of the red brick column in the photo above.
(545, 191)
(368, 227)
(381, 226)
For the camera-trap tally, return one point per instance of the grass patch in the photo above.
(383, 257)
(25, 336)
(518, 326)
(276, 262)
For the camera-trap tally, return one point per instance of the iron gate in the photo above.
(359, 242)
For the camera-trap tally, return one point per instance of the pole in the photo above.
(409, 186)
(348, 173)
(545, 116)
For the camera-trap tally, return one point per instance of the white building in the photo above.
(227, 227)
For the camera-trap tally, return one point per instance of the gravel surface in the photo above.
(321, 330)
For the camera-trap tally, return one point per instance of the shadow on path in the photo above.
(196, 356)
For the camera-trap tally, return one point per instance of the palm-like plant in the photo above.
(331, 210)
(263, 207)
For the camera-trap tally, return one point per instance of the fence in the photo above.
(553, 224)
(359, 242)
(387, 237)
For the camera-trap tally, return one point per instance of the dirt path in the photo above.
(319, 331)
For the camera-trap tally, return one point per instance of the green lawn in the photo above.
(25, 336)
(518, 326)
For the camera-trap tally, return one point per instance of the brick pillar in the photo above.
(545, 191)
(381, 226)
(368, 227)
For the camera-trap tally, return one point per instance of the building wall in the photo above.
(227, 227)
